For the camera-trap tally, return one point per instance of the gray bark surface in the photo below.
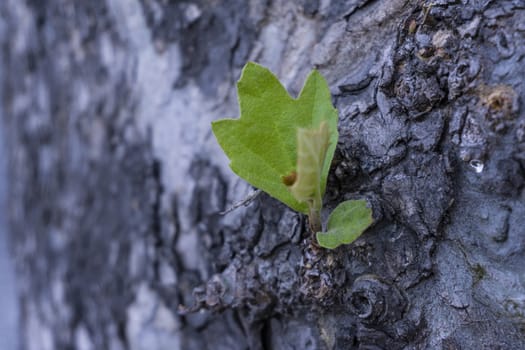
(8, 297)
(116, 181)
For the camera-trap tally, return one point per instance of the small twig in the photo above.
(246, 201)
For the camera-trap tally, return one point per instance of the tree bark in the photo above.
(116, 182)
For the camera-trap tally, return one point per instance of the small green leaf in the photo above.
(312, 145)
(262, 143)
(346, 223)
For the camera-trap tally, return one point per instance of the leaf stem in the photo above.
(314, 220)
(314, 213)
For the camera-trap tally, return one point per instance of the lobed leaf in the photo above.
(262, 143)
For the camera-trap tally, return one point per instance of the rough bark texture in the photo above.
(116, 182)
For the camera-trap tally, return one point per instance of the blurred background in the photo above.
(8, 299)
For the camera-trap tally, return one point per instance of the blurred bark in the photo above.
(116, 182)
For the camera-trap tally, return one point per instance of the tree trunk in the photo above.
(116, 182)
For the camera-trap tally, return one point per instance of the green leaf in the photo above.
(312, 145)
(346, 223)
(262, 143)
